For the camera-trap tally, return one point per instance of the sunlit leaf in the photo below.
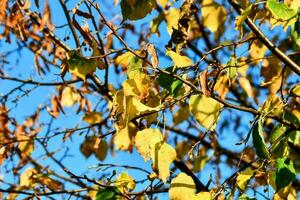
(280, 10)
(273, 105)
(214, 15)
(296, 90)
(182, 187)
(257, 51)
(154, 58)
(172, 18)
(124, 138)
(79, 65)
(138, 86)
(179, 60)
(143, 139)
(125, 182)
(247, 87)
(271, 71)
(162, 155)
(69, 97)
(243, 178)
(205, 110)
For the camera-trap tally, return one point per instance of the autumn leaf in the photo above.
(243, 178)
(154, 58)
(143, 139)
(69, 97)
(205, 110)
(124, 138)
(182, 187)
(139, 86)
(149, 143)
(125, 182)
(179, 60)
(92, 118)
(162, 155)
(79, 65)
(134, 10)
(214, 15)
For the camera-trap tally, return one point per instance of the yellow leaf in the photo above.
(26, 146)
(125, 182)
(172, 18)
(222, 86)
(296, 90)
(179, 60)
(163, 3)
(246, 86)
(124, 138)
(206, 110)
(92, 117)
(272, 105)
(79, 65)
(126, 108)
(138, 86)
(123, 59)
(27, 177)
(257, 50)
(243, 178)
(203, 196)
(271, 70)
(69, 97)
(162, 155)
(214, 15)
(182, 187)
(143, 139)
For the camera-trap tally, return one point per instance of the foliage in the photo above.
(150, 99)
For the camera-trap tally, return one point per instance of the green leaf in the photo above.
(258, 140)
(287, 115)
(232, 69)
(79, 65)
(134, 10)
(245, 197)
(109, 193)
(171, 84)
(280, 10)
(280, 147)
(135, 67)
(285, 172)
(296, 31)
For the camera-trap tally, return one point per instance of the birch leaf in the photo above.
(205, 109)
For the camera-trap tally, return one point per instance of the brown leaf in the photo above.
(203, 83)
(154, 59)
(83, 14)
